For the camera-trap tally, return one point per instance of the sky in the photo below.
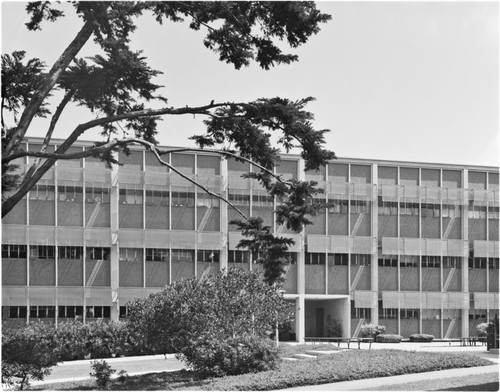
(410, 81)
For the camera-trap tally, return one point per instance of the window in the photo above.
(387, 207)
(451, 211)
(388, 313)
(157, 197)
(70, 192)
(293, 257)
(430, 210)
(43, 191)
(97, 312)
(477, 262)
(70, 311)
(42, 252)
(13, 251)
(208, 256)
(70, 252)
(338, 206)
(359, 207)
(409, 209)
(358, 259)
(18, 312)
(338, 259)
(431, 262)
(388, 261)
(315, 258)
(238, 256)
(493, 262)
(408, 261)
(409, 313)
(183, 255)
(493, 212)
(182, 199)
(476, 211)
(261, 198)
(452, 262)
(156, 254)
(42, 311)
(239, 197)
(96, 194)
(97, 253)
(361, 313)
(131, 194)
(124, 311)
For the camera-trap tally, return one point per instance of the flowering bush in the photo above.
(371, 330)
(482, 329)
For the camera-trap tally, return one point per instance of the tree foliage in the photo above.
(210, 320)
(28, 353)
(120, 90)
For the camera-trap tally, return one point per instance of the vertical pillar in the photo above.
(465, 260)
(224, 176)
(300, 319)
(300, 307)
(374, 251)
(114, 253)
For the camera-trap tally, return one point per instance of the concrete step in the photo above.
(322, 353)
(304, 356)
(288, 359)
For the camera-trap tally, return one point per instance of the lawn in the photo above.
(344, 366)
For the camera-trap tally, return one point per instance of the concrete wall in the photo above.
(315, 279)
(409, 279)
(337, 279)
(387, 278)
(70, 272)
(14, 272)
(431, 279)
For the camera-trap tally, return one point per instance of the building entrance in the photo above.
(327, 317)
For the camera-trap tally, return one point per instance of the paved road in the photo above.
(76, 370)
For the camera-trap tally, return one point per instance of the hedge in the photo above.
(421, 337)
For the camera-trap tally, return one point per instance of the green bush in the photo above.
(371, 330)
(28, 353)
(482, 329)
(421, 337)
(213, 356)
(219, 324)
(102, 372)
(389, 338)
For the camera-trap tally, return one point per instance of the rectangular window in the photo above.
(42, 311)
(493, 262)
(238, 256)
(262, 199)
(389, 313)
(97, 312)
(153, 254)
(409, 313)
(361, 313)
(431, 262)
(387, 207)
(95, 253)
(182, 199)
(409, 209)
(239, 197)
(408, 261)
(452, 262)
(17, 312)
(124, 312)
(42, 252)
(206, 256)
(13, 251)
(360, 207)
(315, 258)
(338, 259)
(131, 194)
(361, 259)
(388, 260)
(70, 311)
(157, 197)
(71, 252)
(96, 194)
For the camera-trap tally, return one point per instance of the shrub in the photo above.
(215, 356)
(221, 323)
(420, 337)
(389, 338)
(482, 329)
(371, 330)
(102, 372)
(28, 353)
(334, 328)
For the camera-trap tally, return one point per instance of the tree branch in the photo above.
(59, 66)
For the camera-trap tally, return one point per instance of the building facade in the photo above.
(412, 246)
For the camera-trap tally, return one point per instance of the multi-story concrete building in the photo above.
(412, 246)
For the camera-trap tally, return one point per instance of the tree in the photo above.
(218, 324)
(28, 353)
(117, 85)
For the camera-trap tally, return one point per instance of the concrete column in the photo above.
(223, 214)
(115, 247)
(465, 260)
(374, 255)
(300, 321)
